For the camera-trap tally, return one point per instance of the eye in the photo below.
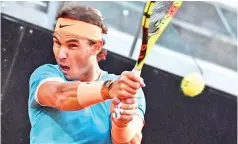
(56, 42)
(72, 46)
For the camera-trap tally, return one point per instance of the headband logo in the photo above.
(61, 26)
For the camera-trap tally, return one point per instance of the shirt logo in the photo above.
(61, 26)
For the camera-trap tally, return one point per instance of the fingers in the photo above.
(128, 112)
(115, 101)
(127, 118)
(123, 113)
(129, 100)
(126, 86)
(133, 77)
(132, 90)
(128, 106)
(125, 94)
(122, 106)
(125, 81)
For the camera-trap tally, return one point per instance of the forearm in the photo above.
(130, 134)
(70, 96)
(136, 139)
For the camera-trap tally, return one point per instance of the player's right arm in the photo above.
(48, 88)
(60, 95)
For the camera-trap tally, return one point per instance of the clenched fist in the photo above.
(126, 86)
(128, 109)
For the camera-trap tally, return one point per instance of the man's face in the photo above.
(73, 55)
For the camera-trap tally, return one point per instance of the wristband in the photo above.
(107, 85)
(89, 93)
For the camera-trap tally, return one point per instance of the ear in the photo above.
(97, 48)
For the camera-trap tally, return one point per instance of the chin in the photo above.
(68, 77)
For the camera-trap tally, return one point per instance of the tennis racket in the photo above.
(157, 16)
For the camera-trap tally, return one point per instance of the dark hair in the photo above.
(86, 14)
(74, 10)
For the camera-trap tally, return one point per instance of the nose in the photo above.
(63, 54)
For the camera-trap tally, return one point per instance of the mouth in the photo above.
(64, 68)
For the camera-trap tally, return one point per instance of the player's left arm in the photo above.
(136, 139)
(136, 125)
(139, 117)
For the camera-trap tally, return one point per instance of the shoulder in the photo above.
(46, 71)
(46, 67)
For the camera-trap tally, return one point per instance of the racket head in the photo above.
(157, 16)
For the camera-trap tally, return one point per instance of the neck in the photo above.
(92, 74)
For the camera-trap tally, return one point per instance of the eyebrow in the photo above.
(72, 40)
(55, 37)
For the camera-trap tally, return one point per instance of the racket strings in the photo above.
(159, 11)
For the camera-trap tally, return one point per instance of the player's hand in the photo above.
(128, 109)
(126, 86)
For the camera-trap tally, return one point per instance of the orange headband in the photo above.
(79, 28)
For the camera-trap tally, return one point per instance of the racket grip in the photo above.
(137, 72)
(117, 114)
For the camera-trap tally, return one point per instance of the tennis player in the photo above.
(75, 101)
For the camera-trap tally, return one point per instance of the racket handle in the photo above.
(137, 72)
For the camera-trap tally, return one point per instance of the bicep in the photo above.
(43, 74)
(46, 93)
(59, 95)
